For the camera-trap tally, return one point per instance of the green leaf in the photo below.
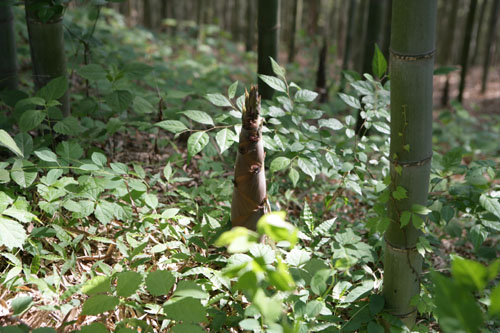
(456, 307)
(494, 309)
(68, 126)
(273, 82)
(350, 100)
(151, 200)
(21, 177)
(281, 277)
(188, 288)
(199, 116)
(331, 123)
(99, 158)
(231, 91)
(379, 64)
(167, 171)
(490, 204)
(70, 151)
(137, 70)
(25, 143)
(173, 126)
(128, 283)
(447, 212)
(237, 239)
(313, 308)
(55, 89)
(21, 304)
(250, 324)
(405, 218)
(188, 310)
(469, 273)
(318, 281)
(196, 143)
(46, 155)
(31, 119)
(142, 106)
(187, 328)
(7, 141)
(92, 72)
(218, 100)
(277, 69)
(160, 282)
(444, 70)
(307, 166)
(294, 176)
(104, 211)
(373, 327)
(119, 168)
(119, 100)
(279, 163)
(274, 225)
(12, 233)
(98, 304)
(96, 285)
(399, 193)
(95, 327)
(225, 138)
(376, 304)
(305, 95)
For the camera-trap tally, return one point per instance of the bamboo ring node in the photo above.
(412, 57)
(399, 249)
(407, 164)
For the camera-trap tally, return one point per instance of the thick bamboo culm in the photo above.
(412, 61)
(8, 59)
(268, 28)
(47, 51)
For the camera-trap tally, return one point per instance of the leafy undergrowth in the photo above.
(116, 218)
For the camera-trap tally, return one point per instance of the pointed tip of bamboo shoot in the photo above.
(251, 109)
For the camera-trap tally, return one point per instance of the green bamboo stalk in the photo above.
(490, 43)
(250, 26)
(296, 19)
(412, 61)
(466, 48)
(268, 30)
(8, 59)
(250, 194)
(47, 49)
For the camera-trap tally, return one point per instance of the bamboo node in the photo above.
(407, 164)
(399, 249)
(412, 57)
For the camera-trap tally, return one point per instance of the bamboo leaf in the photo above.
(196, 143)
(199, 116)
(274, 82)
(379, 64)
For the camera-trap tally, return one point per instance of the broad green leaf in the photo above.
(405, 218)
(128, 283)
(350, 100)
(25, 143)
(92, 72)
(274, 82)
(167, 171)
(95, 327)
(20, 176)
(319, 281)
(199, 116)
(104, 211)
(196, 143)
(494, 308)
(173, 126)
(137, 70)
(470, 274)
(98, 304)
(492, 205)
(305, 95)
(225, 138)
(231, 91)
(281, 277)
(119, 168)
(7, 141)
(188, 288)
(31, 119)
(307, 166)
(279, 163)
(250, 324)
(238, 240)
(21, 304)
(142, 106)
(119, 100)
(188, 310)
(218, 100)
(99, 158)
(294, 176)
(187, 328)
(55, 89)
(313, 308)
(297, 257)
(70, 151)
(274, 225)
(46, 155)
(151, 200)
(277, 69)
(12, 233)
(159, 282)
(68, 126)
(373, 327)
(379, 64)
(96, 285)
(399, 193)
(331, 123)
(376, 304)
(359, 291)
